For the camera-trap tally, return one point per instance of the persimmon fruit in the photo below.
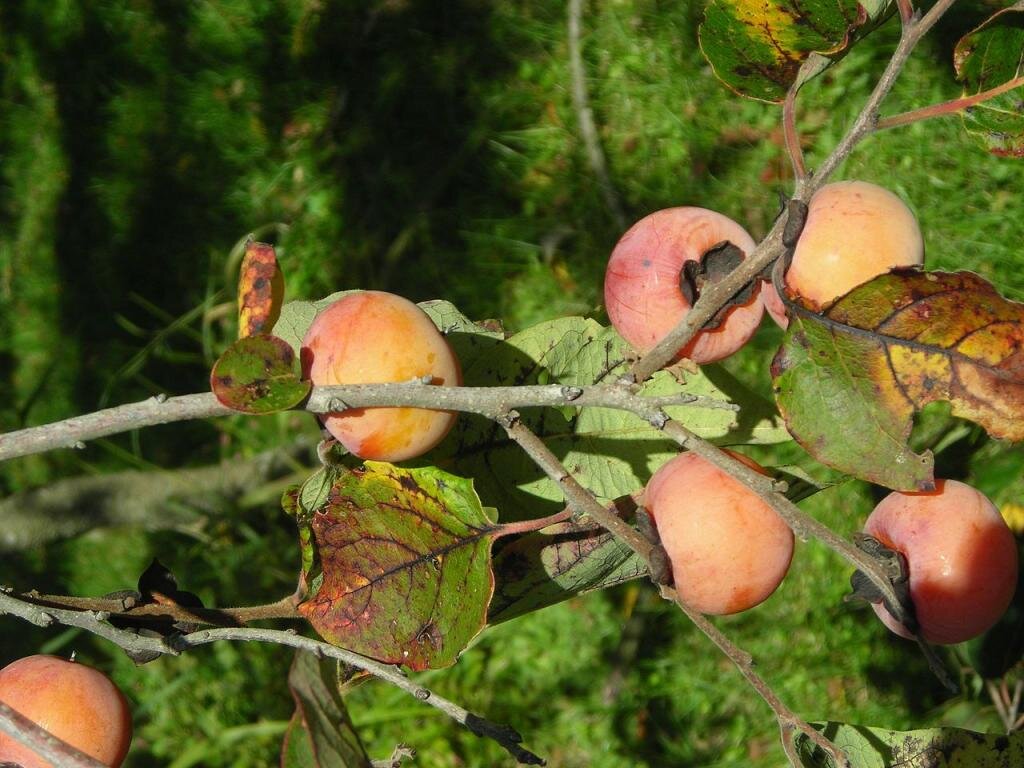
(74, 702)
(373, 337)
(961, 558)
(642, 290)
(855, 231)
(729, 550)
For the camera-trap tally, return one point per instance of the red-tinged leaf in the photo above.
(260, 290)
(569, 559)
(756, 47)
(848, 381)
(257, 375)
(988, 57)
(320, 734)
(405, 560)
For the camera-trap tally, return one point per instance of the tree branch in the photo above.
(71, 433)
(584, 502)
(789, 722)
(96, 623)
(768, 250)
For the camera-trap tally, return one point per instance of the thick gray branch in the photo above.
(72, 433)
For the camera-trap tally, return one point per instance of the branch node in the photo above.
(571, 393)
(160, 397)
(658, 419)
(336, 404)
(422, 694)
(78, 445)
(508, 419)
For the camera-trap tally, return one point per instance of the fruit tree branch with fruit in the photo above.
(402, 559)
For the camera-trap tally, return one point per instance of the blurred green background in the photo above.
(429, 148)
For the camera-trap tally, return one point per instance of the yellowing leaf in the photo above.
(848, 381)
(260, 290)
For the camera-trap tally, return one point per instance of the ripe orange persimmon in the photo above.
(961, 557)
(729, 550)
(854, 232)
(76, 703)
(372, 337)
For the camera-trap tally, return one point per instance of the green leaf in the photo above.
(612, 452)
(405, 556)
(756, 47)
(848, 381)
(932, 748)
(989, 56)
(257, 375)
(320, 734)
(541, 569)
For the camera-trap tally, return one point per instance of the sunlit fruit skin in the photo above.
(729, 550)
(641, 284)
(854, 232)
(372, 337)
(76, 703)
(961, 556)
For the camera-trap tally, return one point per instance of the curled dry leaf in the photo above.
(260, 290)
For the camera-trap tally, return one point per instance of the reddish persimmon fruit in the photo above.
(642, 283)
(729, 550)
(961, 557)
(854, 232)
(76, 703)
(373, 337)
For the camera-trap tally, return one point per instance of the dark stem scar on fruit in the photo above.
(898, 572)
(658, 561)
(714, 265)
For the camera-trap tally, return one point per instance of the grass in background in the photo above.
(432, 149)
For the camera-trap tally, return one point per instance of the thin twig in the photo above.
(42, 742)
(73, 432)
(585, 116)
(789, 722)
(950, 107)
(1000, 704)
(96, 623)
(579, 499)
(584, 502)
(867, 120)
(504, 735)
(906, 10)
(790, 132)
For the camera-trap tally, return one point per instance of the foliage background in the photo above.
(429, 148)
